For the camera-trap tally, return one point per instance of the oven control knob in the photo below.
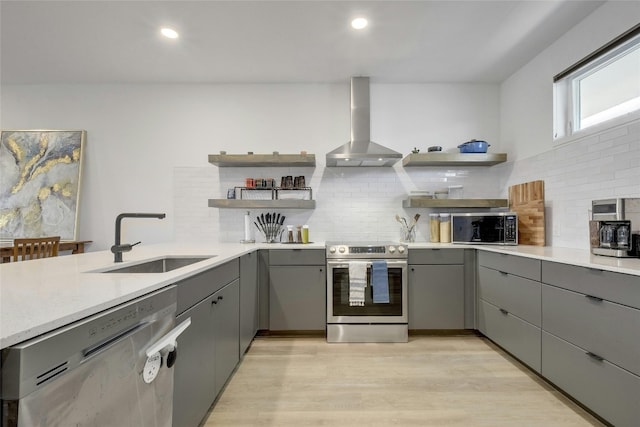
(341, 250)
(392, 249)
(332, 250)
(401, 249)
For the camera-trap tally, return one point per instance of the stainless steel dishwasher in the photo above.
(111, 369)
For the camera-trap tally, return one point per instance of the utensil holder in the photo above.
(408, 234)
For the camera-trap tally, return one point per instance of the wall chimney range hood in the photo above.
(361, 151)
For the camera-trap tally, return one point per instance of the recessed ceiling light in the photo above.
(359, 23)
(169, 33)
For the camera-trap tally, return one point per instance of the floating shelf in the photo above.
(261, 160)
(426, 202)
(453, 159)
(261, 204)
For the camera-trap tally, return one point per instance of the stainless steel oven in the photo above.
(353, 312)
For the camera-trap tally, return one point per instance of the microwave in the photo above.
(491, 228)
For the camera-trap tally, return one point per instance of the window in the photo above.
(600, 89)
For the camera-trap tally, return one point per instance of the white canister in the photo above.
(445, 228)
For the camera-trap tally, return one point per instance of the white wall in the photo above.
(600, 165)
(147, 149)
(526, 98)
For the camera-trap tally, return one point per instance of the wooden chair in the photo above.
(34, 248)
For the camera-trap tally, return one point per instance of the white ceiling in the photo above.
(277, 41)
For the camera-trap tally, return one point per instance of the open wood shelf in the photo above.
(261, 204)
(262, 160)
(426, 202)
(453, 159)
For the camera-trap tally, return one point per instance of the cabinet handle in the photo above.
(503, 311)
(214, 301)
(413, 269)
(321, 270)
(220, 297)
(595, 356)
(504, 273)
(592, 298)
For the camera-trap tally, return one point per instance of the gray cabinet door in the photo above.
(609, 391)
(194, 371)
(226, 319)
(248, 299)
(518, 337)
(297, 298)
(436, 297)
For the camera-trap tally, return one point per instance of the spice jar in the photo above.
(305, 234)
(445, 228)
(434, 228)
(290, 233)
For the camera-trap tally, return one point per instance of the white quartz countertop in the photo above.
(42, 295)
(579, 257)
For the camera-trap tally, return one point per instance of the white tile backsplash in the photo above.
(359, 204)
(593, 167)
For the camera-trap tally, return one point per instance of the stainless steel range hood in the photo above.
(361, 151)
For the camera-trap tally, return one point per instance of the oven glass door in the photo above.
(339, 310)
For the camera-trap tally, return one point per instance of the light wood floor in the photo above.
(430, 381)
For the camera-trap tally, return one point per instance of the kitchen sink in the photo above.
(159, 265)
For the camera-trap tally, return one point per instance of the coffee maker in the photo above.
(611, 227)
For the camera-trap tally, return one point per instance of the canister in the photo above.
(445, 228)
(434, 228)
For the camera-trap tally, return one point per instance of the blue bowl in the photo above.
(474, 146)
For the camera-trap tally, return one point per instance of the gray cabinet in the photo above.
(509, 304)
(194, 373)
(208, 350)
(437, 286)
(515, 294)
(297, 290)
(604, 328)
(226, 327)
(603, 387)
(590, 345)
(249, 299)
(436, 297)
(520, 338)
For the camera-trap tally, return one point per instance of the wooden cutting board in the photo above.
(527, 200)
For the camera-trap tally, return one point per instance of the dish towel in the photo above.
(357, 282)
(380, 282)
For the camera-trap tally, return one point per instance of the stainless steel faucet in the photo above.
(119, 248)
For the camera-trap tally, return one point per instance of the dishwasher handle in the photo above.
(168, 341)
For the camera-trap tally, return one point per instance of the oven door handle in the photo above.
(345, 264)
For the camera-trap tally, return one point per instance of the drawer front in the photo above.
(436, 256)
(601, 327)
(518, 337)
(515, 294)
(195, 288)
(616, 287)
(296, 257)
(520, 266)
(604, 388)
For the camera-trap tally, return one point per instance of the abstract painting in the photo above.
(40, 173)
